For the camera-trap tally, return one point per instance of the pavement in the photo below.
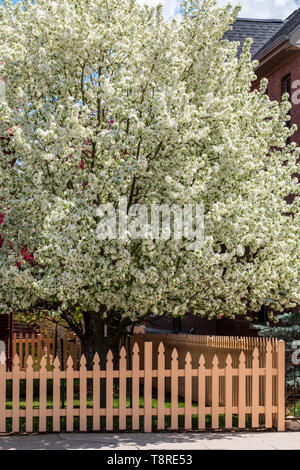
(158, 441)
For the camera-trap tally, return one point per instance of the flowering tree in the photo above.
(109, 99)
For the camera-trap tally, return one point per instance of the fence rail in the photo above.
(139, 407)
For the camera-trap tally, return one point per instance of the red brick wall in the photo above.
(291, 67)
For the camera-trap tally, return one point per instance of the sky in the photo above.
(250, 8)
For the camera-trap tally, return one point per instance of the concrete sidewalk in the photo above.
(162, 441)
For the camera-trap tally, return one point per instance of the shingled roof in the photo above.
(261, 31)
(287, 27)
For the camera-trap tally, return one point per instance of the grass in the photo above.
(76, 404)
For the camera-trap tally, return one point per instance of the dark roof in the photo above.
(261, 31)
(288, 26)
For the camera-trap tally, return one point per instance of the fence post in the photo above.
(268, 390)
(16, 395)
(148, 386)
(281, 386)
(2, 392)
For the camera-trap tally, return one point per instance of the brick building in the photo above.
(276, 45)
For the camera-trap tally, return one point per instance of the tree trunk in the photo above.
(96, 339)
(100, 337)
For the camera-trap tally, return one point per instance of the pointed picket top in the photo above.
(29, 362)
(242, 358)
(202, 361)
(228, 360)
(255, 354)
(16, 361)
(136, 349)
(188, 358)
(2, 358)
(56, 363)
(215, 361)
(269, 347)
(110, 356)
(96, 361)
(161, 348)
(43, 363)
(83, 362)
(70, 363)
(174, 354)
(123, 353)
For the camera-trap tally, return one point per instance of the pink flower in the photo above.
(18, 264)
(111, 121)
(81, 164)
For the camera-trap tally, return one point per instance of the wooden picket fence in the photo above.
(38, 346)
(141, 376)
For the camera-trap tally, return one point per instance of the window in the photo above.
(286, 85)
(286, 88)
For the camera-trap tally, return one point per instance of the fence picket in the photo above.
(26, 347)
(96, 393)
(83, 394)
(135, 388)
(2, 392)
(188, 392)
(109, 391)
(161, 387)
(255, 388)
(201, 393)
(122, 389)
(174, 390)
(70, 395)
(16, 394)
(43, 395)
(268, 391)
(228, 392)
(148, 387)
(56, 395)
(21, 350)
(29, 394)
(242, 391)
(39, 350)
(215, 392)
